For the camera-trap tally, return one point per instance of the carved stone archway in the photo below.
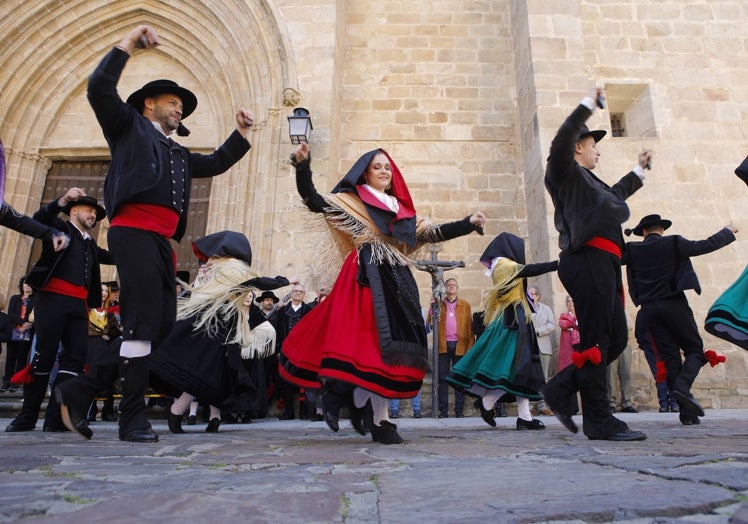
(231, 53)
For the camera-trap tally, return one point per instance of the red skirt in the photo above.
(339, 340)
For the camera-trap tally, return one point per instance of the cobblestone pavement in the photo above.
(449, 470)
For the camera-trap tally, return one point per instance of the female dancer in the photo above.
(506, 358)
(202, 356)
(367, 339)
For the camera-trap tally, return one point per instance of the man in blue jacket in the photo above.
(146, 195)
(659, 270)
(588, 217)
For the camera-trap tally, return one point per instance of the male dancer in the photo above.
(588, 217)
(146, 194)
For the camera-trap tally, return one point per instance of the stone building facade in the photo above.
(466, 95)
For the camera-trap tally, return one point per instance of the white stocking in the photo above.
(379, 405)
(215, 412)
(491, 397)
(181, 404)
(523, 408)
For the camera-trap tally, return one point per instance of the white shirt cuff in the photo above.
(639, 170)
(589, 103)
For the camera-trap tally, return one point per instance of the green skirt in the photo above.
(504, 357)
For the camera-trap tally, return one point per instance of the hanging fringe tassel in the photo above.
(713, 357)
(661, 375)
(592, 355)
(262, 342)
(23, 377)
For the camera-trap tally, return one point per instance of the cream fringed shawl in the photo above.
(215, 307)
(350, 227)
(508, 290)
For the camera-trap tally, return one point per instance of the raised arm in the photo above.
(301, 159)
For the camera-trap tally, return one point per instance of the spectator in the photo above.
(568, 340)
(455, 339)
(102, 329)
(19, 345)
(6, 326)
(545, 325)
(286, 319)
(619, 373)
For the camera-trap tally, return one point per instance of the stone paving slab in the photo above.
(449, 470)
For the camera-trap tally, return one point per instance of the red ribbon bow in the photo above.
(713, 357)
(592, 355)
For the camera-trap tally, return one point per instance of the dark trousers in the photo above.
(16, 357)
(148, 300)
(60, 320)
(446, 361)
(593, 280)
(672, 327)
(644, 340)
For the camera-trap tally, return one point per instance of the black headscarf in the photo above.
(223, 244)
(402, 225)
(504, 245)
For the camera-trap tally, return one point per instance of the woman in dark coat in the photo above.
(367, 339)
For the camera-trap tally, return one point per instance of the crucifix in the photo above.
(436, 269)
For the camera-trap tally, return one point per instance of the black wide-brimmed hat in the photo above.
(161, 87)
(597, 134)
(267, 294)
(86, 201)
(647, 222)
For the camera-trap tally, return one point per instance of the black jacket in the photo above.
(585, 205)
(138, 150)
(14, 220)
(49, 262)
(659, 266)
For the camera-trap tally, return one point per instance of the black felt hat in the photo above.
(267, 294)
(160, 87)
(647, 222)
(86, 201)
(597, 134)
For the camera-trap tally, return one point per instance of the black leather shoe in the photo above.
(73, 419)
(623, 436)
(562, 417)
(175, 423)
(629, 409)
(688, 404)
(534, 424)
(213, 425)
(486, 414)
(16, 427)
(191, 420)
(386, 433)
(689, 420)
(332, 421)
(442, 414)
(140, 435)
